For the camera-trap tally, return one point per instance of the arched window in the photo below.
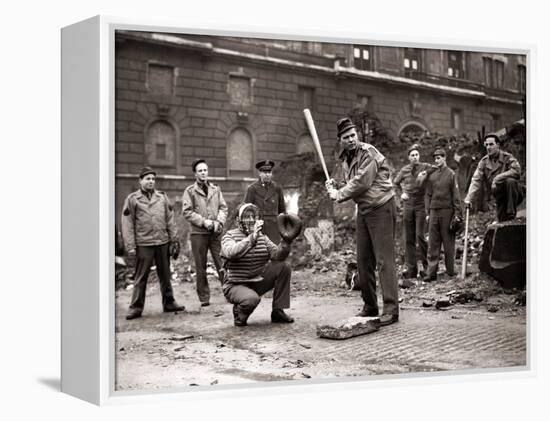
(412, 128)
(160, 144)
(304, 144)
(240, 153)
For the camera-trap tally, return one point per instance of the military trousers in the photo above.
(376, 251)
(508, 195)
(145, 257)
(200, 244)
(438, 234)
(414, 237)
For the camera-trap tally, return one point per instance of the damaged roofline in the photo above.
(337, 70)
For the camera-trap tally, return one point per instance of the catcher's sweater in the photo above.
(246, 259)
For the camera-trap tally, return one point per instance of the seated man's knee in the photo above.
(281, 267)
(250, 302)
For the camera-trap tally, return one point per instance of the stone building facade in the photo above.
(234, 101)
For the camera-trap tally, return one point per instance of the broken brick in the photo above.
(354, 326)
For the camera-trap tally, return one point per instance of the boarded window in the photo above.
(493, 73)
(304, 144)
(456, 119)
(240, 153)
(496, 123)
(240, 90)
(305, 97)
(488, 71)
(499, 74)
(160, 144)
(160, 79)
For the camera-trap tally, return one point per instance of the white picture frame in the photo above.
(88, 174)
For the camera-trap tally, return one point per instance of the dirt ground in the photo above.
(484, 327)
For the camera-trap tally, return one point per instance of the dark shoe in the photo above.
(429, 278)
(388, 319)
(239, 323)
(279, 316)
(173, 306)
(239, 317)
(367, 313)
(422, 274)
(133, 313)
(205, 304)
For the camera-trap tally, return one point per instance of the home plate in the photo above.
(348, 328)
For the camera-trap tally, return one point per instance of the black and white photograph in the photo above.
(275, 210)
(291, 209)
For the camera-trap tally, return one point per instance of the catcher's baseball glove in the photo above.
(289, 225)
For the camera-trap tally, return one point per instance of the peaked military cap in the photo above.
(266, 165)
(439, 152)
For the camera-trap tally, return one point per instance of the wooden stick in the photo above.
(465, 252)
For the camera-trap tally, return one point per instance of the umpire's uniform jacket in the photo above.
(270, 199)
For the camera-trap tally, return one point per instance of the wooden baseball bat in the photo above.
(313, 132)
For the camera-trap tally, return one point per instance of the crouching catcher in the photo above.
(255, 265)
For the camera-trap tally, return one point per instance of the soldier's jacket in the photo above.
(487, 171)
(197, 206)
(406, 179)
(442, 190)
(147, 222)
(367, 179)
(269, 198)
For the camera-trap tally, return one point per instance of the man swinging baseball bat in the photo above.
(367, 181)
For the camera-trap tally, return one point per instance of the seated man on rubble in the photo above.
(500, 172)
(255, 265)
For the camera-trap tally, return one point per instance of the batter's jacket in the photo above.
(488, 170)
(367, 178)
(147, 222)
(197, 206)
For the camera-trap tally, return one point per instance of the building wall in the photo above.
(198, 111)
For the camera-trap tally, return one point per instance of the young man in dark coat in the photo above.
(442, 204)
(268, 197)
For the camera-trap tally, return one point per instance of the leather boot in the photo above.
(239, 317)
(173, 306)
(133, 313)
(279, 316)
(367, 313)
